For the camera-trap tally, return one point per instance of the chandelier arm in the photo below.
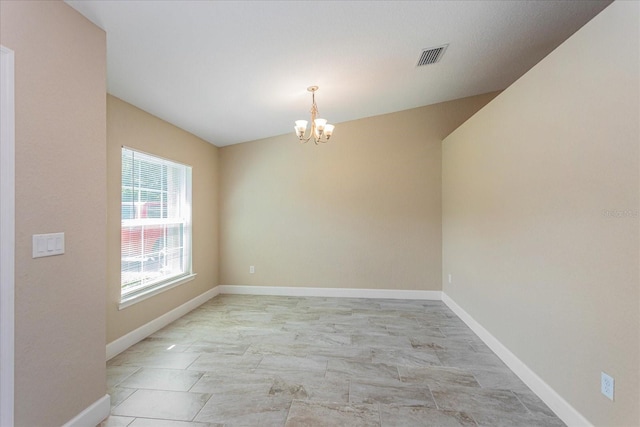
(304, 140)
(312, 134)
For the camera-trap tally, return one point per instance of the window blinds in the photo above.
(156, 222)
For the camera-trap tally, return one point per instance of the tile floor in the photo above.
(284, 361)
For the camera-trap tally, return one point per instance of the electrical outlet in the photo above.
(252, 269)
(607, 385)
(449, 278)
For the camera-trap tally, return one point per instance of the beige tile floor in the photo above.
(285, 361)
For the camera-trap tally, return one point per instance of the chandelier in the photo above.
(320, 130)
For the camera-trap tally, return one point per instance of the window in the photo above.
(156, 224)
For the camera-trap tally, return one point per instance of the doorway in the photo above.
(7, 234)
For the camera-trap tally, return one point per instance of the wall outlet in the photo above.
(252, 269)
(607, 385)
(449, 278)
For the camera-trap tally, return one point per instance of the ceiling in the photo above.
(236, 71)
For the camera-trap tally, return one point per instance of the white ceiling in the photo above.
(235, 71)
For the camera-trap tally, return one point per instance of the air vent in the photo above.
(431, 55)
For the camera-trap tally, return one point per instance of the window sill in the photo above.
(155, 291)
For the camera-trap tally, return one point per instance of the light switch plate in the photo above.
(48, 244)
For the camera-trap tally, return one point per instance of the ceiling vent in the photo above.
(431, 55)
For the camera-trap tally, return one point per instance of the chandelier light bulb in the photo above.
(328, 131)
(320, 124)
(300, 127)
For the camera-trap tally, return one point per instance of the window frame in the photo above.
(169, 282)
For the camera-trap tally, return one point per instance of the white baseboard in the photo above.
(330, 292)
(554, 401)
(121, 344)
(93, 415)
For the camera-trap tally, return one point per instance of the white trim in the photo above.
(554, 401)
(330, 292)
(158, 289)
(7, 235)
(92, 415)
(121, 344)
(154, 156)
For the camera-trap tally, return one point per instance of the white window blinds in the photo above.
(156, 223)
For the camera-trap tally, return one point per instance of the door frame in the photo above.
(7, 235)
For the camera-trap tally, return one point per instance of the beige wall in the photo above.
(60, 66)
(134, 128)
(362, 211)
(533, 255)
